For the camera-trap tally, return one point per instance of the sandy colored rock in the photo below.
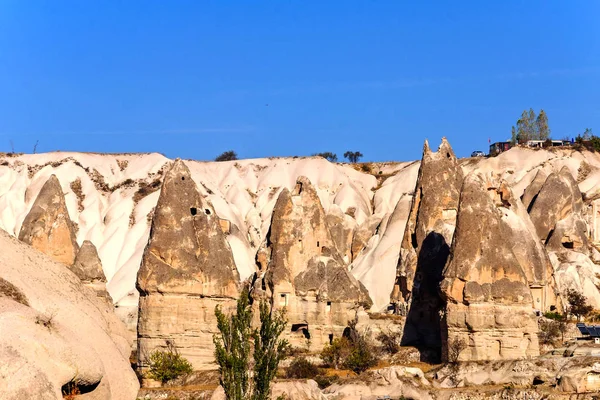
(306, 273)
(48, 227)
(186, 270)
(62, 333)
(558, 198)
(489, 303)
(532, 191)
(426, 246)
(88, 268)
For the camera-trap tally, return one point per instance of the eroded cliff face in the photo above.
(315, 242)
(307, 274)
(187, 270)
(489, 304)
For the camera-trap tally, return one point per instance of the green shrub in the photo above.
(166, 365)
(354, 351)
(335, 354)
(326, 380)
(553, 315)
(301, 368)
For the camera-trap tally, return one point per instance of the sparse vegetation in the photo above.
(353, 156)
(166, 365)
(390, 341)
(578, 305)
(77, 189)
(455, 347)
(328, 156)
(9, 290)
(241, 377)
(302, 368)
(551, 330)
(554, 315)
(46, 320)
(229, 155)
(355, 351)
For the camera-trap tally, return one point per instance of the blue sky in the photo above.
(191, 79)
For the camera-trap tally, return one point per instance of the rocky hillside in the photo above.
(111, 198)
(56, 336)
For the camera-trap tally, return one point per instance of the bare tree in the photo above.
(455, 347)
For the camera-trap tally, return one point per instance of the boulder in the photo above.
(532, 191)
(489, 304)
(187, 269)
(47, 227)
(55, 334)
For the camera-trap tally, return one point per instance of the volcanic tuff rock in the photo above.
(426, 243)
(306, 273)
(186, 270)
(57, 332)
(489, 303)
(527, 248)
(534, 188)
(88, 268)
(48, 227)
(558, 198)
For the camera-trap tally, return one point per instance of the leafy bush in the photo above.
(325, 380)
(362, 356)
(354, 351)
(227, 156)
(301, 368)
(166, 365)
(553, 315)
(353, 156)
(335, 354)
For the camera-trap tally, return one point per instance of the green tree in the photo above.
(353, 156)
(327, 155)
(587, 134)
(166, 365)
(237, 342)
(229, 155)
(578, 304)
(513, 136)
(541, 124)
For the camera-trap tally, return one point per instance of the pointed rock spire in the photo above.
(48, 227)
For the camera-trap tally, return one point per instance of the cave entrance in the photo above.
(301, 329)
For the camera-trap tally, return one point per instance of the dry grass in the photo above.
(76, 188)
(9, 290)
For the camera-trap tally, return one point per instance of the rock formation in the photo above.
(55, 333)
(426, 243)
(187, 269)
(528, 250)
(489, 304)
(48, 227)
(306, 274)
(88, 268)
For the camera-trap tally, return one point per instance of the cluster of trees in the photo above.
(352, 156)
(530, 127)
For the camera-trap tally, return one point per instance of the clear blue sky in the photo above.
(191, 79)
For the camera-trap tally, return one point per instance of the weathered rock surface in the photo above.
(48, 227)
(88, 268)
(186, 270)
(57, 332)
(558, 198)
(532, 191)
(426, 244)
(527, 248)
(489, 304)
(306, 273)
